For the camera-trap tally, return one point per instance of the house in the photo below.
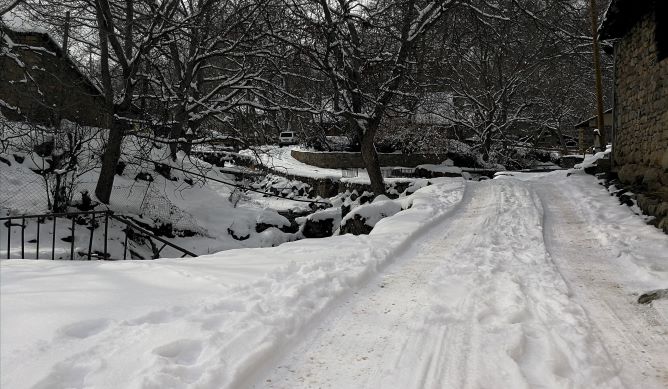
(638, 31)
(40, 84)
(587, 127)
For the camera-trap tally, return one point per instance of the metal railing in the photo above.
(92, 224)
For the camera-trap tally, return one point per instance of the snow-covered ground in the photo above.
(281, 160)
(209, 209)
(527, 280)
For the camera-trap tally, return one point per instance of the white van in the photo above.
(287, 138)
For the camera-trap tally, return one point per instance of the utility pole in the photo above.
(66, 34)
(597, 71)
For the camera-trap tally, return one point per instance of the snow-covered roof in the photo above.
(586, 121)
(16, 25)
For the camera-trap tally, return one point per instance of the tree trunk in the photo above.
(112, 150)
(112, 153)
(486, 147)
(177, 130)
(371, 162)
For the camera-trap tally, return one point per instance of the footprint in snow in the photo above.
(84, 329)
(181, 352)
(158, 317)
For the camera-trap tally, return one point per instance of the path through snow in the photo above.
(591, 257)
(481, 304)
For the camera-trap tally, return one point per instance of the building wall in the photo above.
(45, 87)
(591, 125)
(640, 152)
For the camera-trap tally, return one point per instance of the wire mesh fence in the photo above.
(26, 193)
(22, 192)
(157, 205)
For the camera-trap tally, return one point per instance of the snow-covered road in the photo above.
(521, 282)
(601, 260)
(480, 304)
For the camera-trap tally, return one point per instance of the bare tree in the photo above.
(209, 62)
(364, 51)
(515, 69)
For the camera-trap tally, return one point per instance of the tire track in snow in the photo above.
(635, 336)
(480, 305)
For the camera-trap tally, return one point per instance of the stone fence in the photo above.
(346, 160)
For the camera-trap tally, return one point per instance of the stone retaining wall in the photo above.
(640, 148)
(344, 160)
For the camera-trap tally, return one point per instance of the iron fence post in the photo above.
(53, 239)
(9, 236)
(23, 236)
(72, 243)
(92, 230)
(125, 245)
(106, 229)
(37, 250)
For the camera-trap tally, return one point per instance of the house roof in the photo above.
(621, 16)
(15, 30)
(585, 122)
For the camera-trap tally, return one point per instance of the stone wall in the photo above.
(640, 151)
(39, 84)
(344, 160)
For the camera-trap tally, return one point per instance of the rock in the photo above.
(144, 176)
(569, 161)
(322, 223)
(364, 218)
(237, 237)
(120, 167)
(356, 226)
(239, 230)
(648, 297)
(318, 228)
(366, 197)
(164, 170)
(270, 218)
(292, 218)
(44, 149)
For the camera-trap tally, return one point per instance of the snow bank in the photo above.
(210, 322)
(619, 229)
